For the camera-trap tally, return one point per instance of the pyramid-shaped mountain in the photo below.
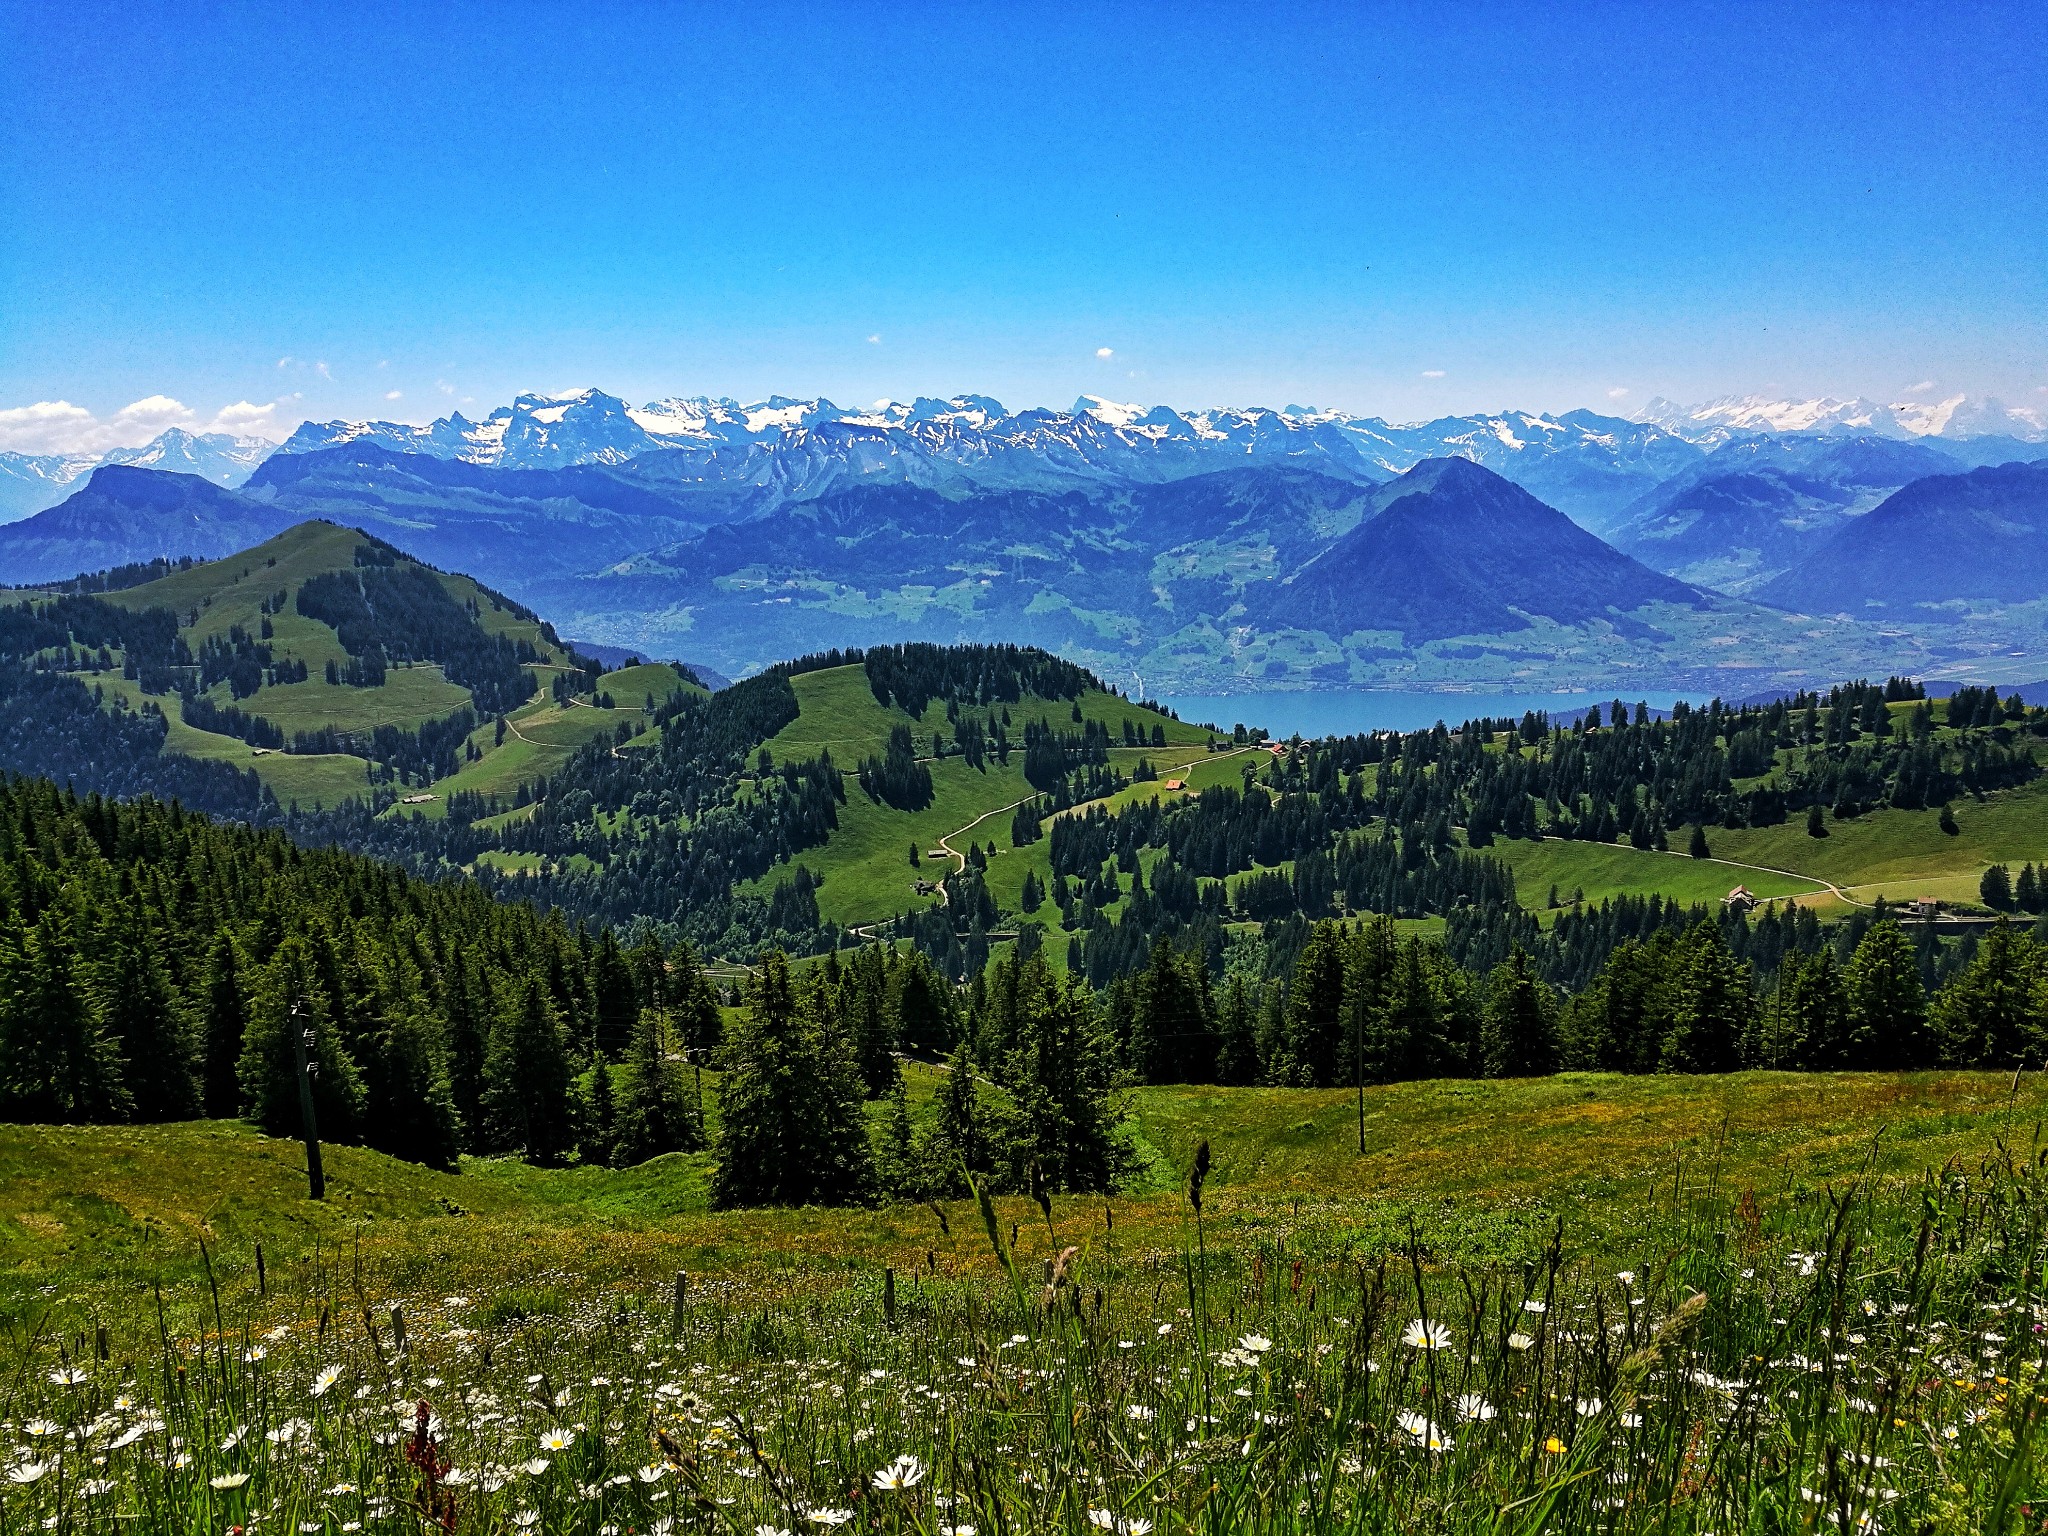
(1451, 548)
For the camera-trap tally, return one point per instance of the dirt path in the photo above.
(1840, 892)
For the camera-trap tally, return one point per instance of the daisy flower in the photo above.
(1421, 1334)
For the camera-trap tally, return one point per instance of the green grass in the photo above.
(408, 699)
(1667, 1305)
(1604, 870)
(216, 596)
(95, 1203)
(631, 687)
(1894, 853)
(865, 866)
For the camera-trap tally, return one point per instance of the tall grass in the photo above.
(1866, 1360)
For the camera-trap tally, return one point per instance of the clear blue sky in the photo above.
(1406, 210)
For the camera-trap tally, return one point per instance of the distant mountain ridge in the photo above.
(31, 482)
(1954, 417)
(1756, 506)
(1590, 464)
(1948, 539)
(123, 515)
(1451, 549)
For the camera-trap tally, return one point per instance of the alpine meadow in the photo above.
(1263, 892)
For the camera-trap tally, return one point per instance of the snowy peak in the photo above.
(30, 483)
(1960, 416)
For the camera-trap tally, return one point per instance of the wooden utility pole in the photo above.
(1358, 1070)
(303, 1041)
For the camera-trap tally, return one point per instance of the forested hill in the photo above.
(308, 668)
(155, 964)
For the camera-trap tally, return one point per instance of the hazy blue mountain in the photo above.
(1074, 568)
(1756, 506)
(31, 482)
(124, 514)
(1452, 549)
(1981, 535)
(507, 527)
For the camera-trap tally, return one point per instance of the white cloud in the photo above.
(58, 426)
(1617, 392)
(285, 361)
(394, 394)
(48, 426)
(244, 418)
(875, 340)
(444, 386)
(1432, 373)
(321, 369)
(1105, 353)
(1921, 388)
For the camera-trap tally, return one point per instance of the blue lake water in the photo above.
(1346, 712)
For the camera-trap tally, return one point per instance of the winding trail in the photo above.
(1840, 893)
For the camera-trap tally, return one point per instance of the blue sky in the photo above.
(350, 211)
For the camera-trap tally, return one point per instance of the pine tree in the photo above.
(225, 1015)
(1172, 1037)
(897, 1166)
(2026, 893)
(616, 995)
(1996, 888)
(56, 1063)
(526, 1075)
(792, 1130)
(1816, 821)
(958, 1138)
(922, 1005)
(146, 1021)
(1948, 822)
(1313, 1034)
(1237, 1037)
(657, 1115)
(410, 1110)
(1062, 1123)
(1988, 1016)
(1711, 1006)
(1813, 1010)
(1518, 1029)
(1697, 847)
(1887, 1002)
(598, 1142)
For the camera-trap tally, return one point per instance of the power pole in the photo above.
(1358, 1070)
(302, 1046)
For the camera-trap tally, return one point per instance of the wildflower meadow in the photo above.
(1862, 1358)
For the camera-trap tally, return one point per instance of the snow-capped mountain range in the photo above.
(1958, 416)
(30, 482)
(1594, 463)
(1591, 465)
(1588, 463)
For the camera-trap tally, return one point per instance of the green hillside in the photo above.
(251, 602)
(865, 868)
